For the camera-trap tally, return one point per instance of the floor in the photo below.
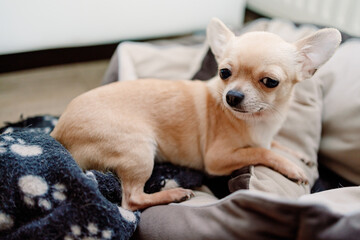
(46, 90)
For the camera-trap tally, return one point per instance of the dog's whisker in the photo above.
(273, 109)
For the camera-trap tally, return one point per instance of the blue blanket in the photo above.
(45, 195)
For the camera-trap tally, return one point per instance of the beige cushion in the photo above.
(340, 143)
(163, 59)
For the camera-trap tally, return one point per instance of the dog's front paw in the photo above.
(296, 174)
(181, 194)
(306, 161)
(296, 154)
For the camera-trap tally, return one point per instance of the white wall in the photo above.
(27, 25)
(342, 14)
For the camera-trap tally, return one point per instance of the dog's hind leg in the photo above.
(134, 169)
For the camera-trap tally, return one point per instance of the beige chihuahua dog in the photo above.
(216, 126)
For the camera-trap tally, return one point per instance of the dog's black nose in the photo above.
(234, 98)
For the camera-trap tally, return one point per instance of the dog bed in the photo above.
(47, 199)
(46, 196)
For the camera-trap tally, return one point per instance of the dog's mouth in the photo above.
(239, 110)
(245, 111)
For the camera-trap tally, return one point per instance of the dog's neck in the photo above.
(260, 130)
(263, 131)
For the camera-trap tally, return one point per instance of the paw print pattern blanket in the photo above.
(45, 195)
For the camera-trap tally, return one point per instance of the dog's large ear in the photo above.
(218, 35)
(316, 49)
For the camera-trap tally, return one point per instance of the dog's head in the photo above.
(257, 70)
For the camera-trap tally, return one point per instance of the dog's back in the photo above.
(163, 113)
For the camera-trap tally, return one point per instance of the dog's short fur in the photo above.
(216, 126)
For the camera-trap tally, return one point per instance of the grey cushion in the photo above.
(250, 215)
(340, 142)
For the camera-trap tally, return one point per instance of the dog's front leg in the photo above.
(225, 161)
(276, 144)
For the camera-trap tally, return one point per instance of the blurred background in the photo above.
(52, 51)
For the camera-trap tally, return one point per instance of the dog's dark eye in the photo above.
(269, 83)
(224, 73)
